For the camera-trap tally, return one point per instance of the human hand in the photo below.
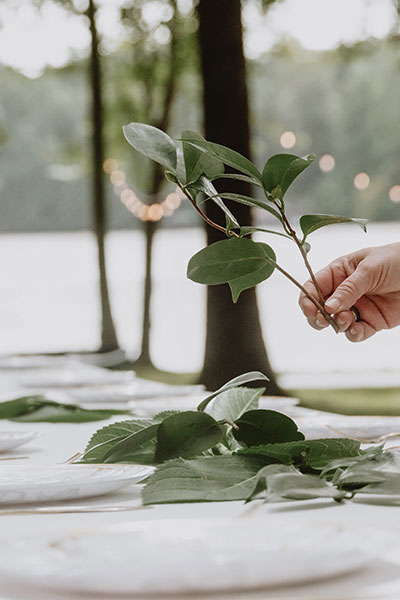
(369, 280)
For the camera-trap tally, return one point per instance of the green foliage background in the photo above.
(341, 102)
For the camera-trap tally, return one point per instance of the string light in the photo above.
(288, 139)
(361, 181)
(110, 165)
(394, 194)
(154, 211)
(327, 163)
(117, 177)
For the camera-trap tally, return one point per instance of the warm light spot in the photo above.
(142, 212)
(394, 193)
(327, 163)
(118, 177)
(110, 165)
(288, 139)
(155, 212)
(172, 201)
(131, 201)
(361, 181)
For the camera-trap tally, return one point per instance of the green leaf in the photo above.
(281, 170)
(186, 434)
(247, 230)
(103, 440)
(204, 185)
(240, 262)
(296, 486)
(249, 201)
(262, 476)
(35, 409)
(232, 383)
(198, 162)
(250, 280)
(231, 404)
(295, 168)
(310, 223)
(153, 143)
(313, 454)
(238, 177)
(130, 444)
(228, 157)
(206, 479)
(258, 427)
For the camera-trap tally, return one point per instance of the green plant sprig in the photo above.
(238, 261)
(231, 449)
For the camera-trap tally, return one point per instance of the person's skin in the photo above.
(368, 279)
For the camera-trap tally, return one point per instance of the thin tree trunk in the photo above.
(234, 342)
(144, 358)
(108, 334)
(150, 228)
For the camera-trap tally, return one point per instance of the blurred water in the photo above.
(48, 291)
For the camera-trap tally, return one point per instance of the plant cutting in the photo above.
(231, 449)
(194, 164)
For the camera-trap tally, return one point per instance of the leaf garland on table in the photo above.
(38, 409)
(229, 449)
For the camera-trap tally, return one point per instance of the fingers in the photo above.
(359, 332)
(344, 320)
(349, 291)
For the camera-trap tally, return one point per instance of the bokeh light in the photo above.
(327, 163)
(394, 193)
(288, 139)
(117, 177)
(110, 165)
(361, 181)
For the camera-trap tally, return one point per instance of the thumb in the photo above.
(349, 291)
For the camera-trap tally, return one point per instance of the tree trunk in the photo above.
(144, 358)
(234, 342)
(109, 340)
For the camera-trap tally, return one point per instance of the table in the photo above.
(59, 441)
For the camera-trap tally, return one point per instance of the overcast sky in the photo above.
(30, 41)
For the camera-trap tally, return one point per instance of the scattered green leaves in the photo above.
(186, 434)
(206, 479)
(256, 427)
(231, 404)
(100, 445)
(39, 409)
(314, 454)
(249, 377)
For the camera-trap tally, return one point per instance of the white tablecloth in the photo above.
(59, 441)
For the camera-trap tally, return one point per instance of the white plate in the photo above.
(173, 557)
(12, 439)
(22, 484)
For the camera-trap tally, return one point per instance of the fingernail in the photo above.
(332, 304)
(320, 321)
(353, 331)
(341, 322)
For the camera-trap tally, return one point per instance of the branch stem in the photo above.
(293, 235)
(204, 216)
(319, 306)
